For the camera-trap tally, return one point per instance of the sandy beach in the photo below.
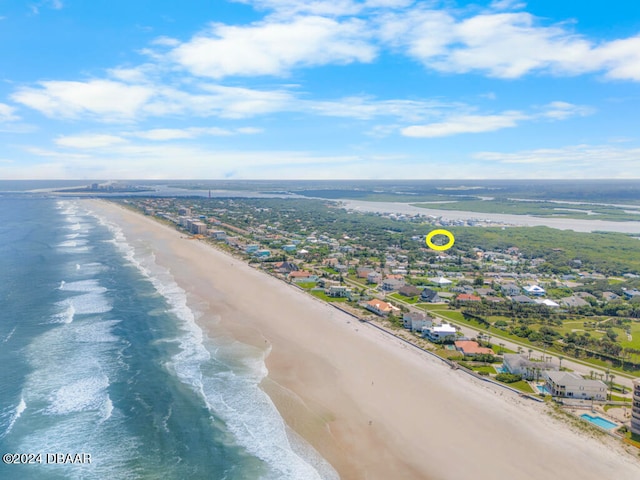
(372, 406)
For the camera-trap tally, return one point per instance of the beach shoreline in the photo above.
(371, 406)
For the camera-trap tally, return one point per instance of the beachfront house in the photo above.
(302, 276)
(521, 365)
(379, 307)
(416, 321)
(338, 291)
(440, 333)
(572, 385)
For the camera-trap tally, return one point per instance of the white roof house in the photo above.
(534, 290)
(548, 303)
(437, 333)
(440, 281)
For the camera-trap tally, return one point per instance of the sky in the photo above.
(317, 89)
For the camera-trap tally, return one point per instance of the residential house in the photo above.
(492, 299)
(610, 296)
(441, 281)
(572, 385)
(483, 292)
(374, 277)
(522, 299)
(218, 234)
(379, 307)
(629, 294)
(463, 289)
(471, 348)
(465, 297)
(253, 248)
(547, 302)
(289, 248)
(535, 290)
(286, 267)
(416, 321)
(440, 333)
(409, 291)
(521, 365)
(635, 409)
(302, 276)
(573, 301)
(339, 291)
(363, 272)
(430, 296)
(390, 284)
(510, 289)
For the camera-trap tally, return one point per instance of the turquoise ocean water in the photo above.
(100, 354)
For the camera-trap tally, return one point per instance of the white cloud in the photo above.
(603, 161)
(89, 141)
(101, 99)
(469, 123)
(7, 113)
(192, 132)
(465, 124)
(505, 44)
(274, 47)
(563, 110)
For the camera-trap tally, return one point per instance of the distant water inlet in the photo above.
(599, 421)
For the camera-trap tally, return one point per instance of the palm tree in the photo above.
(560, 357)
(530, 351)
(611, 377)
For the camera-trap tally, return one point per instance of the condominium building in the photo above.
(572, 385)
(635, 410)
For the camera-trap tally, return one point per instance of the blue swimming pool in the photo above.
(599, 421)
(543, 390)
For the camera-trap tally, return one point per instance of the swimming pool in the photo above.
(543, 389)
(599, 421)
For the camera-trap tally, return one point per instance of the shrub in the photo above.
(508, 377)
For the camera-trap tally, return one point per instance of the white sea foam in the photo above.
(91, 303)
(233, 395)
(15, 415)
(9, 335)
(66, 315)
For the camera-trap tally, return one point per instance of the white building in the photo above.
(416, 321)
(534, 290)
(635, 410)
(521, 365)
(440, 333)
(572, 385)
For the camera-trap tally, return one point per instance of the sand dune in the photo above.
(373, 407)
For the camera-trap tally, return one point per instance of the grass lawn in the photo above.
(402, 298)
(327, 298)
(522, 386)
(306, 285)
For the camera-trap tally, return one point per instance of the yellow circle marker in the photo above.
(440, 248)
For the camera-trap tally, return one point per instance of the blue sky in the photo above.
(319, 89)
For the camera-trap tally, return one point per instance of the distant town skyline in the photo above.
(319, 89)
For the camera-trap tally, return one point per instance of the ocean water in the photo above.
(101, 355)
